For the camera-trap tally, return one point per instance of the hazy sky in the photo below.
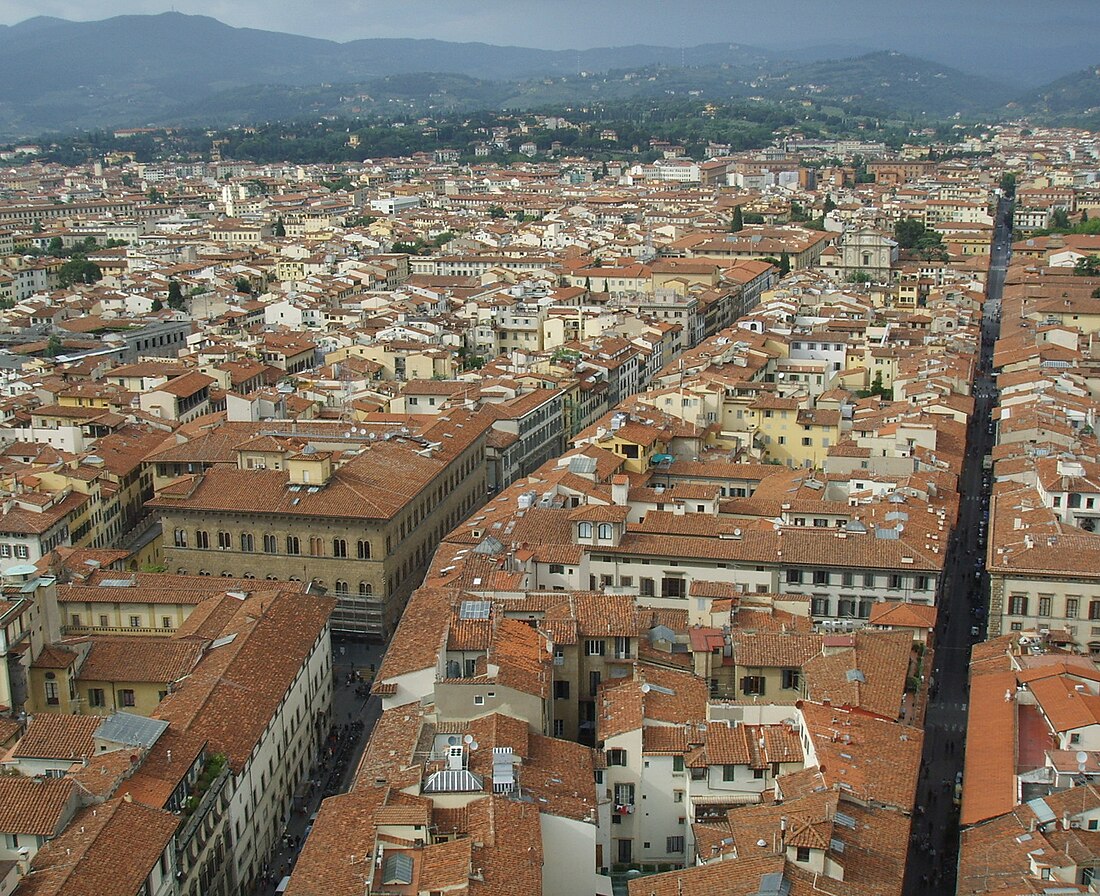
(974, 34)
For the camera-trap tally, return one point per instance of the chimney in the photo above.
(620, 488)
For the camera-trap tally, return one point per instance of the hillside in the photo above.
(1073, 100)
(171, 68)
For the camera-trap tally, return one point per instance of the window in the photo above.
(5, 550)
(674, 845)
(561, 690)
(894, 580)
(729, 772)
(794, 576)
(807, 441)
(616, 756)
(677, 796)
(604, 531)
(135, 622)
(126, 697)
(52, 697)
(593, 683)
(270, 546)
(802, 854)
(674, 586)
(821, 577)
(362, 550)
(165, 621)
(758, 774)
(103, 622)
(677, 763)
(753, 685)
(341, 587)
(584, 530)
(316, 546)
(179, 538)
(559, 728)
(293, 544)
(479, 700)
(1044, 604)
(868, 580)
(339, 547)
(819, 606)
(1017, 605)
(791, 679)
(846, 607)
(557, 569)
(645, 587)
(248, 542)
(225, 541)
(202, 538)
(22, 552)
(96, 697)
(365, 589)
(1075, 739)
(920, 583)
(594, 648)
(1071, 607)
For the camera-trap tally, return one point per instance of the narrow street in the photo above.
(964, 599)
(359, 713)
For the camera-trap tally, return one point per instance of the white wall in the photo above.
(569, 858)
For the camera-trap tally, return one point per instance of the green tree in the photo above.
(175, 296)
(784, 264)
(1059, 220)
(738, 222)
(78, 270)
(908, 232)
(859, 277)
(1088, 266)
(55, 247)
(280, 228)
(1008, 183)
(158, 305)
(829, 205)
(495, 211)
(242, 285)
(155, 195)
(54, 346)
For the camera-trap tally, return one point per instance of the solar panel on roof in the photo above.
(845, 821)
(398, 869)
(474, 609)
(131, 730)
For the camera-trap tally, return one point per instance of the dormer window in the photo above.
(604, 531)
(584, 530)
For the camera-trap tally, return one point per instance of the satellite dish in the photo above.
(1082, 760)
(473, 745)
(452, 741)
(468, 739)
(645, 688)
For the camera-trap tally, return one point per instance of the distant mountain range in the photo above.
(130, 71)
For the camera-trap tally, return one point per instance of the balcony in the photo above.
(201, 803)
(114, 630)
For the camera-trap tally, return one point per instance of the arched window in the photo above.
(293, 544)
(341, 587)
(362, 550)
(584, 530)
(248, 542)
(339, 547)
(365, 589)
(179, 538)
(202, 538)
(604, 531)
(270, 544)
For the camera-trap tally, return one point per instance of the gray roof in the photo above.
(453, 781)
(131, 730)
